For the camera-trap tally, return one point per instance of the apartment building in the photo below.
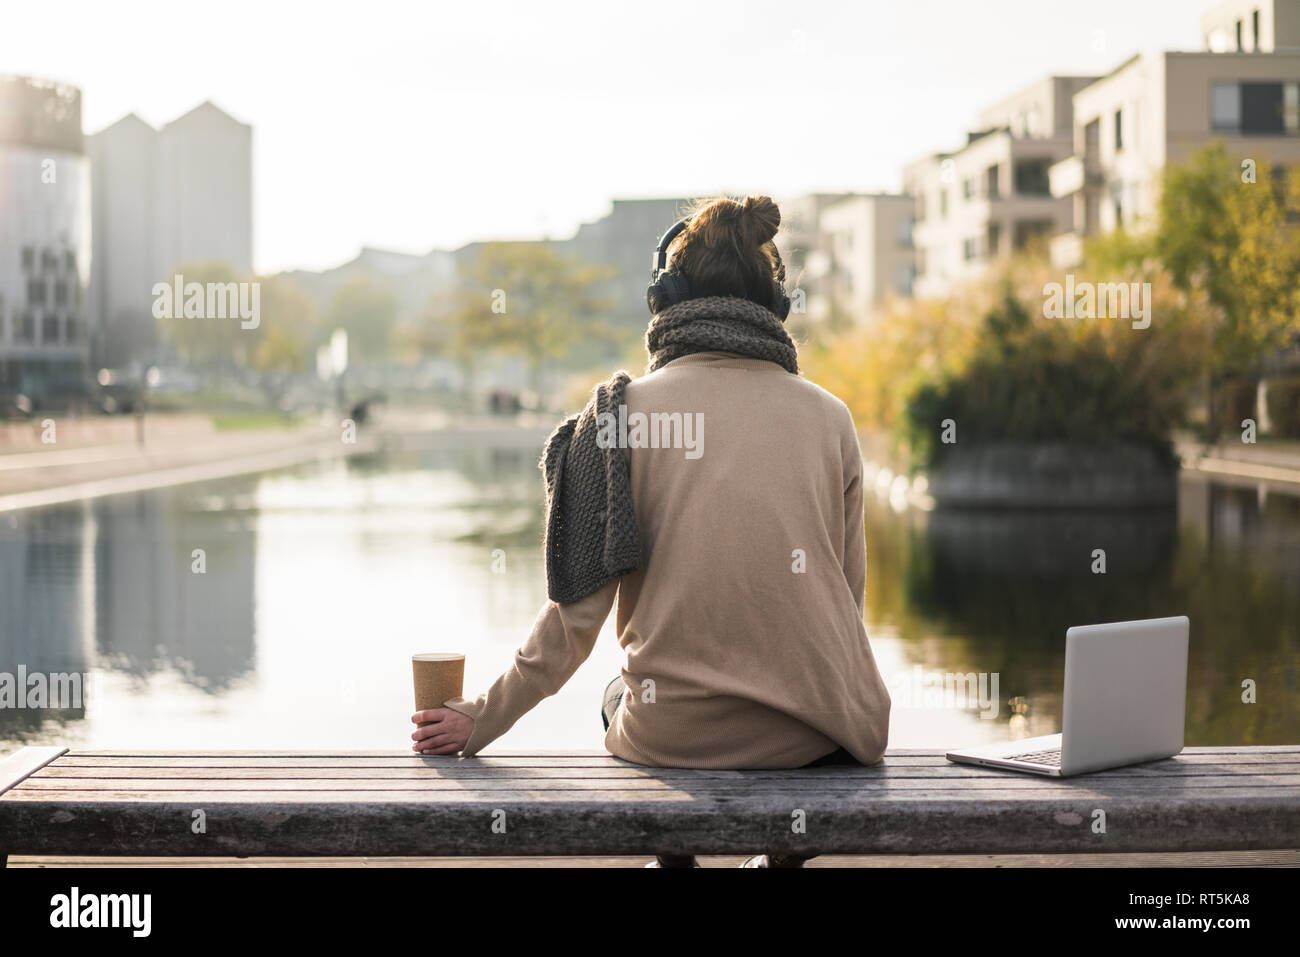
(869, 254)
(44, 241)
(1252, 26)
(992, 196)
(1159, 108)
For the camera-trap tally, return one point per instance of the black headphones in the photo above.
(670, 286)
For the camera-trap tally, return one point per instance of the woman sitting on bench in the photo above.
(719, 498)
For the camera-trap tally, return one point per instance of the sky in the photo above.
(413, 126)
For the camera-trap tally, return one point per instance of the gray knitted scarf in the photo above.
(591, 533)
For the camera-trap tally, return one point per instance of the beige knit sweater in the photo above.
(743, 631)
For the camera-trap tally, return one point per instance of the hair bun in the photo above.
(759, 219)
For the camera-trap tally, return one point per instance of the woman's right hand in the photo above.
(447, 733)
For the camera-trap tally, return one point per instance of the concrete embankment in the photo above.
(1243, 463)
(1053, 475)
(173, 452)
(1029, 475)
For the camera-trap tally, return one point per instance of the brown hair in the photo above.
(726, 250)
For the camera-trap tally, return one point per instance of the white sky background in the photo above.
(412, 126)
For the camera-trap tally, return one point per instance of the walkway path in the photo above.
(177, 452)
(1269, 461)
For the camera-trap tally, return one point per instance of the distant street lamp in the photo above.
(149, 379)
(332, 363)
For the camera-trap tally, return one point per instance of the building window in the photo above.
(70, 261)
(970, 249)
(27, 328)
(1259, 109)
(71, 329)
(906, 277)
(36, 292)
(29, 259)
(991, 181)
(994, 238)
(1254, 26)
(60, 293)
(1119, 130)
(1031, 177)
(49, 261)
(967, 188)
(1225, 107)
(903, 233)
(943, 204)
(50, 329)
(1239, 42)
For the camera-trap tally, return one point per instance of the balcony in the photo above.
(1071, 175)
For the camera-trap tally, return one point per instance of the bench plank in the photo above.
(399, 770)
(23, 763)
(333, 803)
(924, 753)
(835, 784)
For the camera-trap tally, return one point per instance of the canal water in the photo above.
(281, 610)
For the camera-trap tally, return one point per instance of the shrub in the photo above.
(1086, 381)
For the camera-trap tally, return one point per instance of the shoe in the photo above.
(774, 861)
(674, 860)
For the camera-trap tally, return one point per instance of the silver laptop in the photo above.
(1125, 702)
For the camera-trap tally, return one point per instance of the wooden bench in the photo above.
(264, 803)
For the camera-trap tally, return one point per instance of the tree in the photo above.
(207, 343)
(528, 299)
(1229, 234)
(367, 312)
(285, 337)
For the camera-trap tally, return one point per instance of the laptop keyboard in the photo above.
(1050, 758)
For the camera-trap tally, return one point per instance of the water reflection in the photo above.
(319, 581)
(994, 592)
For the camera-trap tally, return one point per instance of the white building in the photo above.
(44, 242)
(870, 254)
(991, 197)
(1159, 108)
(1252, 26)
(164, 199)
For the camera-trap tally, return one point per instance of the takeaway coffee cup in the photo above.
(438, 677)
